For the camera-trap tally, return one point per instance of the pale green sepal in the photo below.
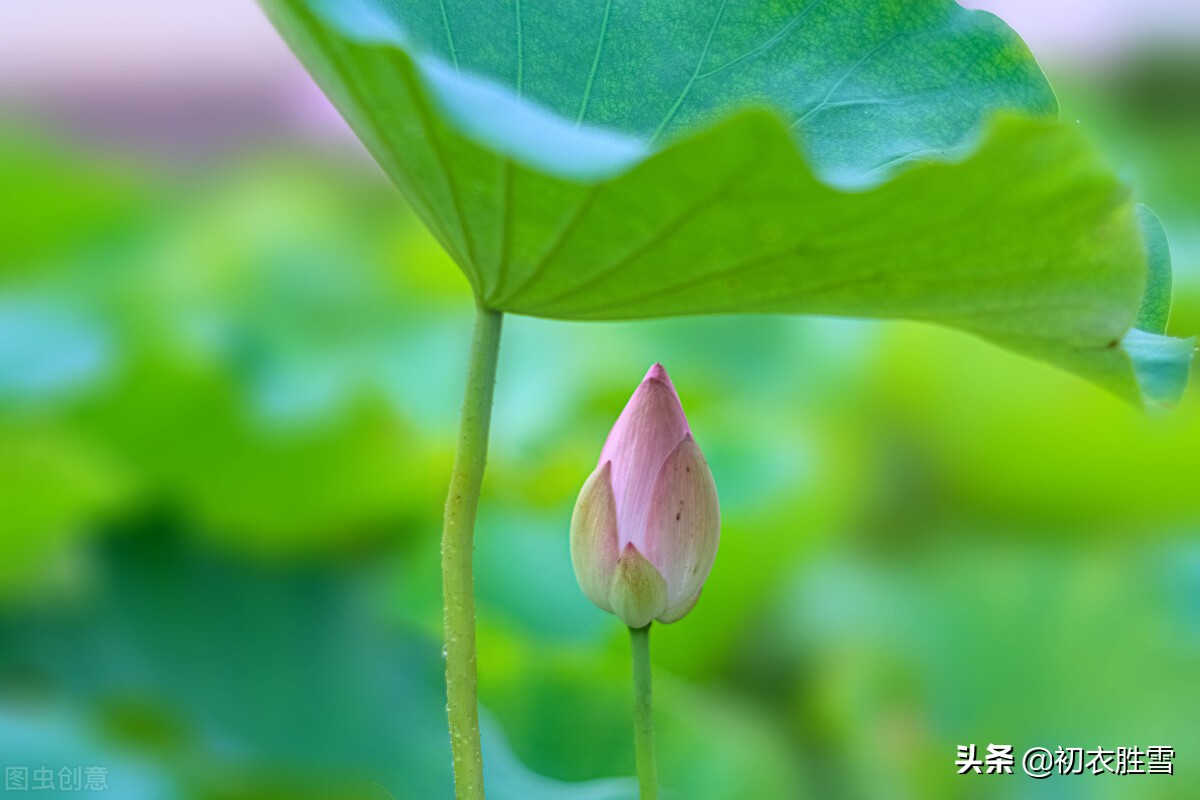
(594, 536)
(638, 593)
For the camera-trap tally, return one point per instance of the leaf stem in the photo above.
(643, 714)
(458, 583)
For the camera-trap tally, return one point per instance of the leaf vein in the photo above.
(845, 76)
(587, 89)
(435, 145)
(674, 109)
(520, 51)
(663, 235)
(449, 35)
(786, 29)
(560, 241)
(505, 232)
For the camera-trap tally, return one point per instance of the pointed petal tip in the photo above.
(658, 373)
(651, 425)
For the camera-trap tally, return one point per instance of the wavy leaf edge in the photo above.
(494, 117)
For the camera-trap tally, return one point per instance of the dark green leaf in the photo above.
(637, 160)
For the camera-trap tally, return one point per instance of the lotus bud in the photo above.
(646, 526)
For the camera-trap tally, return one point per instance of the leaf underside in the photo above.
(628, 160)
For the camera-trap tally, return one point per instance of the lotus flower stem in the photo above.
(458, 581)
(643, 714)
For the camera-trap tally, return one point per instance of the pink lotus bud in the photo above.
(646, 526)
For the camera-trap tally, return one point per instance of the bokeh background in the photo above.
(230, 371)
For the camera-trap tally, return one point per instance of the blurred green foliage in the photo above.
(227, 404)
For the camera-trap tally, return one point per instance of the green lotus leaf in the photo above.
(621, 160)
